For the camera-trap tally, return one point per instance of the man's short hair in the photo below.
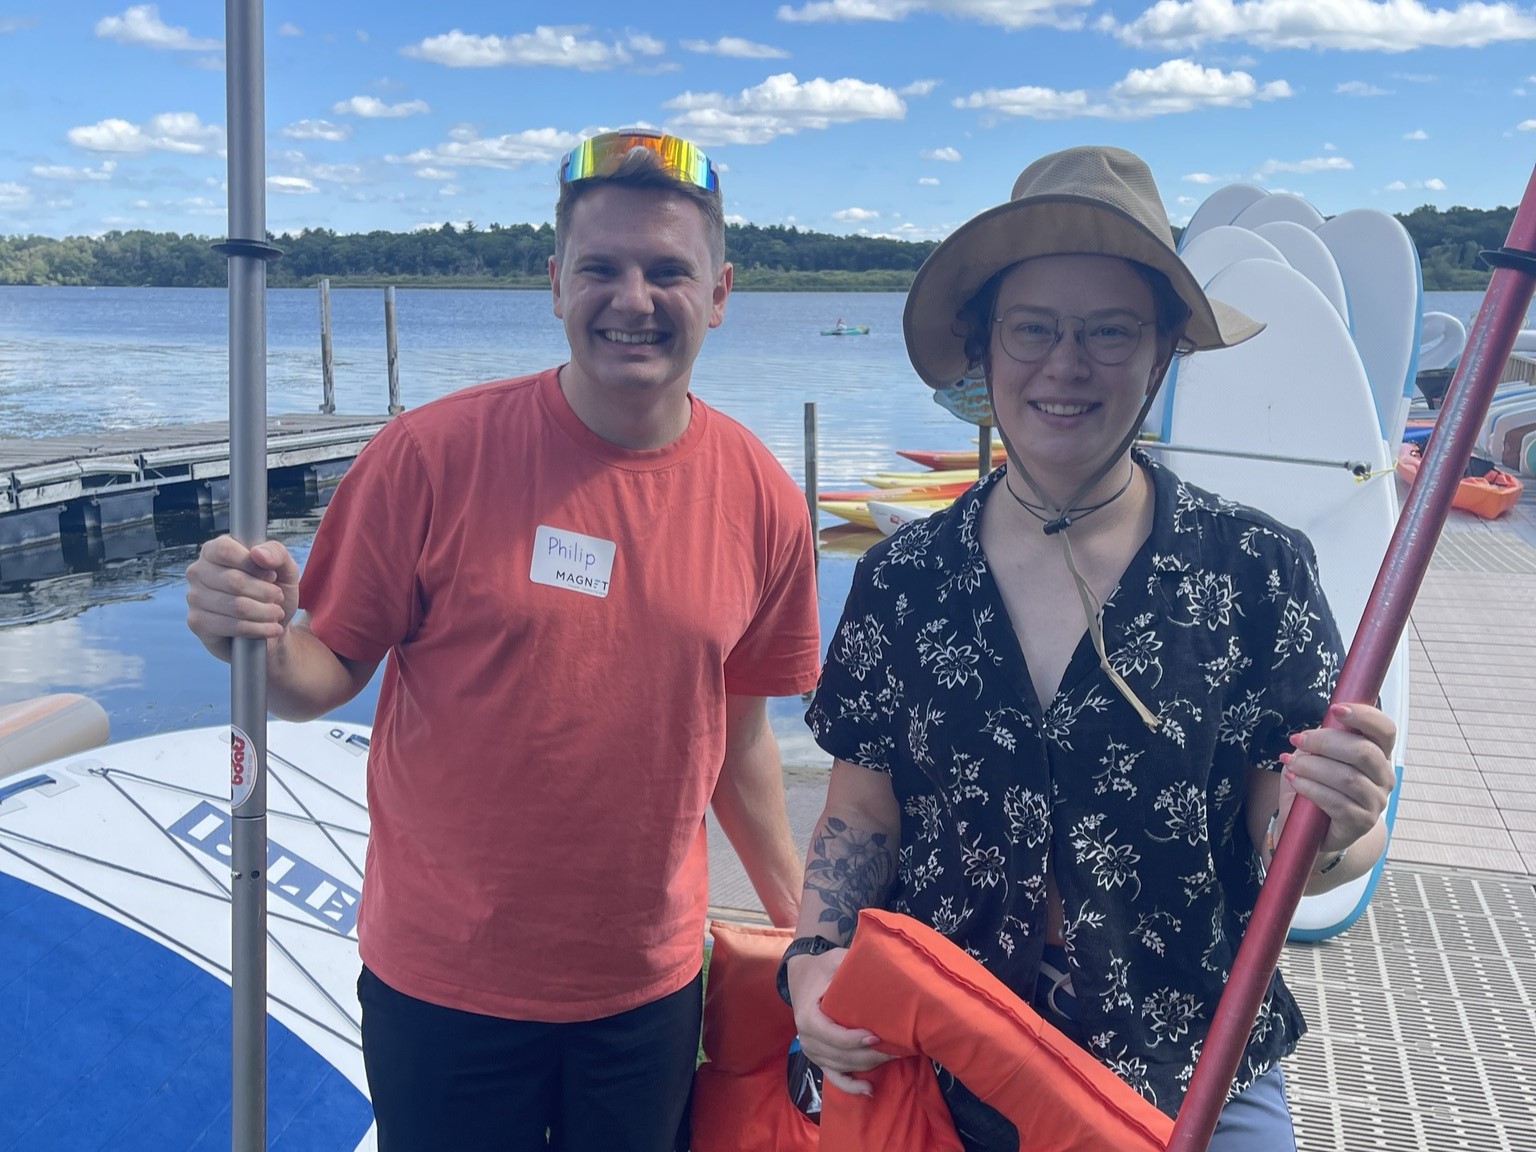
(640, 168)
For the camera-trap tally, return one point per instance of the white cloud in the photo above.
(317, 130)
(1416, 134)
(288, 28)
(1435, 184)
(645, 45)
(1360, 88)
(1347, 25)
(554, 46)
(856, 214)
(14, 195)
(1203, 178)
(1526, 126)
(1397, 186)
(1172, 86)
(373, 108)
(737, 47)
(732, 218)
(336, 173)
(291, 185)
(781, 105)
(928, 180)
(1314, 164)
(952, 155)
(167, 132)
(465, 147)
(65, 172)
(430, 173)
(141, 24)
(918, 88)
(1005, 13)
(15, 23)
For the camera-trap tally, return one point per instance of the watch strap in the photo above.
(799, 946)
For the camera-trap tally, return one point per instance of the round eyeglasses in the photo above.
(1029, 334)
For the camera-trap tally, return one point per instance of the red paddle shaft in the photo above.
(1418, 528)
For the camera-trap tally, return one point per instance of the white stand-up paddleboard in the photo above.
(1519, 402)
(1279, 206)
(115, 936)
(1304, 251)
(1224, 245)
(1381, 273)
(1441, 339)
(1219, 246)
(1298, 390)
(1219, 208)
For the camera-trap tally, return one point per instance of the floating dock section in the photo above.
(105, 491)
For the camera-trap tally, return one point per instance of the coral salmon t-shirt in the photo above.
(563, 619)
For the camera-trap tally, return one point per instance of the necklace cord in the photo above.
(1093, 611)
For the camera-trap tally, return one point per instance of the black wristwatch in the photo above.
(800, 946)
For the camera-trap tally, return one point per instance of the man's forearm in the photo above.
(306, 679)
(749, 803)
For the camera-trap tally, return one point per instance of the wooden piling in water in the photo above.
(327, 373)
(392, 352)
(811, 477)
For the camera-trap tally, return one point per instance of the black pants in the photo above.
(442, 1079)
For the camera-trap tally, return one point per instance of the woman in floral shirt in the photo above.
(1069, 713)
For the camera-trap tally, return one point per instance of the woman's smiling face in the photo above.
(1064, 413)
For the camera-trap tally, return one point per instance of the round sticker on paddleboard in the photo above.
(242, 767)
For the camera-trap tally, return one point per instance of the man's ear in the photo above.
(554, 287)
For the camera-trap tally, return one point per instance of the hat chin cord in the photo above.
(1060, 519)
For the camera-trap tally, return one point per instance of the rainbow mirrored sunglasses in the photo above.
(600, 155)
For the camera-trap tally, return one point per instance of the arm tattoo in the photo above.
(849, 869)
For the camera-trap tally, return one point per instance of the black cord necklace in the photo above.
(1071, 515)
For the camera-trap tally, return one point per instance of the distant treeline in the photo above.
(771, 258)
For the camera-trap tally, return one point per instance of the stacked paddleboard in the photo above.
(1302, 422)
(115, 944)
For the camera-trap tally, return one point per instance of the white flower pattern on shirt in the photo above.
(1221, 628)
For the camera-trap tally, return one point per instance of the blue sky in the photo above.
(891, 117)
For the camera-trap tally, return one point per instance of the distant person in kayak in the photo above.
(1069, 714)
(583, 585)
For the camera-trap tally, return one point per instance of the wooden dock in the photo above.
(58, 485)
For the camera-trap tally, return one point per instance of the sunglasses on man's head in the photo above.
(601, 156)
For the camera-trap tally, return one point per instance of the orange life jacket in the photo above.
(927, 1000)
(740, 1093)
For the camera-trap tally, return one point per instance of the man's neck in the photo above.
(635, 420)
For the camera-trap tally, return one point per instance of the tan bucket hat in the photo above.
(1092, 200)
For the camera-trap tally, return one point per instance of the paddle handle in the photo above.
(1381, 627)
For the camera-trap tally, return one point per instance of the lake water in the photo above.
(74, 361)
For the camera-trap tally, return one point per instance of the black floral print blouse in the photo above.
(1220, 627)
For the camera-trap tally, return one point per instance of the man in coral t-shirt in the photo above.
(583, 585)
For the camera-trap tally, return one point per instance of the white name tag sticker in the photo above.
(566, 559)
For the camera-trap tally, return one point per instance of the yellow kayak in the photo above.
(857, 511)
(920, 479)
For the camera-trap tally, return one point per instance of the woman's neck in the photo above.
(1118, 497)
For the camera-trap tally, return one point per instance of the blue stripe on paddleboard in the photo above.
(109, 1040)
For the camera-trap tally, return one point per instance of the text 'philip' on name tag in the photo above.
(566, 559)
